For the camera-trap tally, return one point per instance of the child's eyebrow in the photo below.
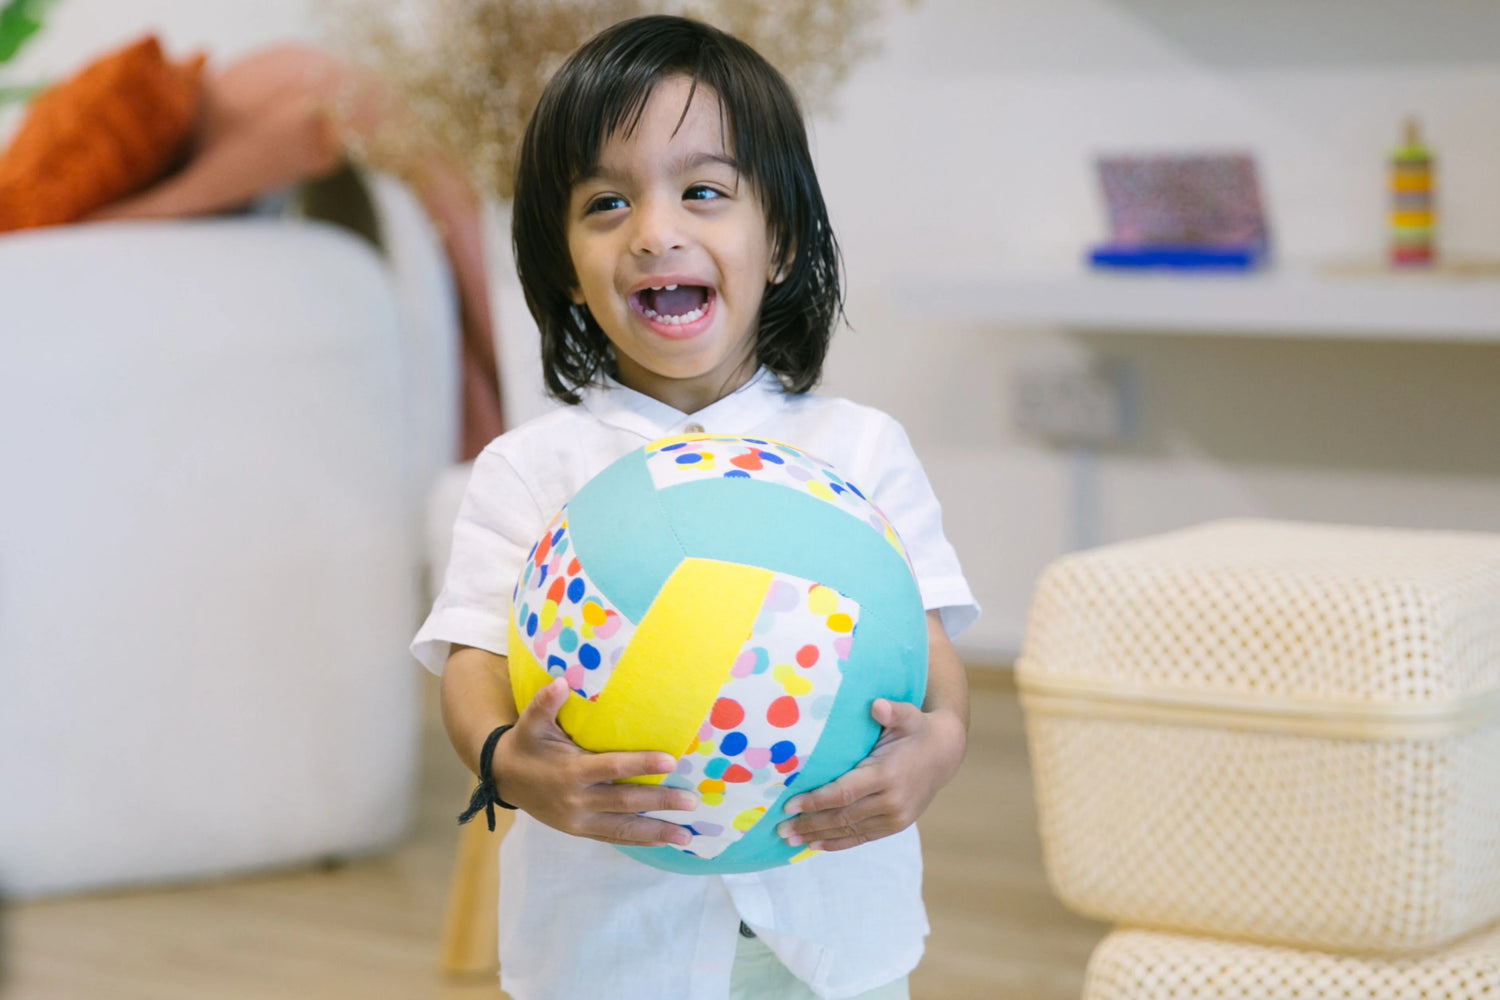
(693, 161)
(686, 163)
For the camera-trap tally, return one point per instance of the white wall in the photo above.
(79, 29)
(967, 147)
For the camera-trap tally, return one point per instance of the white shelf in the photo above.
(1274, 303)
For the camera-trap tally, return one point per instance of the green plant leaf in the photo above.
(19, 20)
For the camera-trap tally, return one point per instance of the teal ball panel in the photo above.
(762, 524)
(623, 536)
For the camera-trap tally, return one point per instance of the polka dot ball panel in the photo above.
(769, 715)
(569, 626)
(694, 457)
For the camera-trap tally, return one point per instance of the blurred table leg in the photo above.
(471, 928)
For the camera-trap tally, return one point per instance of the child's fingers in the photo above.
(838, 794)
(843, 820)
(844, 843)
(601, 768)
(610, 798)
(639, 831)
(863, 821)
(870, 817)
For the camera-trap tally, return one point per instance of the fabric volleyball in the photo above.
(736, 603)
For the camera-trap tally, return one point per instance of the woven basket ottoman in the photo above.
(1277, 732)
(1147, 965)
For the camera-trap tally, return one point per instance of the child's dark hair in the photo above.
(602, 89)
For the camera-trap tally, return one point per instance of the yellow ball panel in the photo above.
(667, 679)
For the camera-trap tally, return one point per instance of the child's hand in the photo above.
(917, 753)
(539, 769)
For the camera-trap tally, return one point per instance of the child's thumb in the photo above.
(892, 714)
(547, 702)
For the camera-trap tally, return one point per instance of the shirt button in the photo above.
(693, 429)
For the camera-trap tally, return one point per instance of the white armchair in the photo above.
(215, 441)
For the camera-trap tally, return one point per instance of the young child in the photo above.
(676, 252)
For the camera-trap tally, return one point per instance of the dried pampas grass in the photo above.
(469, 72)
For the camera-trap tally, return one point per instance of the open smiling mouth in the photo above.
(674, 305)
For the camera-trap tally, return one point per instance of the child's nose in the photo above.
(656, 228)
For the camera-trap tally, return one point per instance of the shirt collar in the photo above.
(739, 412)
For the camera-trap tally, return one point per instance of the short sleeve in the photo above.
(901, 490)
(497, 523)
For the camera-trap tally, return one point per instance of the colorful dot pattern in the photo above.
(769, 714)
(572, 628)
(694, 457)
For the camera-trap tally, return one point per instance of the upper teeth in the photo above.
(664, 288)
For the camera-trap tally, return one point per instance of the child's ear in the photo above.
(576, 294)
(780, 269)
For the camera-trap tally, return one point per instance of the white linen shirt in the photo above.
(578, 919)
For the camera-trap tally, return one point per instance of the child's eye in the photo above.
(604, 203)
(701, 192)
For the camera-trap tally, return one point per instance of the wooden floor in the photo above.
(369, 929)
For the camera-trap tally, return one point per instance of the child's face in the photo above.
(665, 208)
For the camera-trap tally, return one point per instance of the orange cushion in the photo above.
(105, 133)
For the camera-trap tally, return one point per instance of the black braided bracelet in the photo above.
(487, 796)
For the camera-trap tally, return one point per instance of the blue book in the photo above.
(1184, 258)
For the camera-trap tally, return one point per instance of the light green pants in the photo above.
(759, 975)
